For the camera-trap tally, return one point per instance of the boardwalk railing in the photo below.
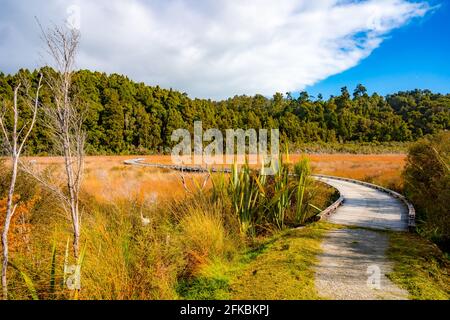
(197, 169)
(331, 209)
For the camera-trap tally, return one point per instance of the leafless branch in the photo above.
(15, 144)
(64, 121)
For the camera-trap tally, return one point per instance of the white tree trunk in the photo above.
(9, 214)
(65, 122)
(15, 144)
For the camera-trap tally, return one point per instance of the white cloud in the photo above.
(213, 48)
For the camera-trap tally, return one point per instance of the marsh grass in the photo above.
(194, 246)
(188, 238)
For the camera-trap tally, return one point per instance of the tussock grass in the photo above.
(125, 259)
(206, 238)
(128, 260)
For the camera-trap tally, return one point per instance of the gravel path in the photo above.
(349, 264)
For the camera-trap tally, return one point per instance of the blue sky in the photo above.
(416, 55)
(221, 48)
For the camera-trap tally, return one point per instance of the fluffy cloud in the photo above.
(212, 48)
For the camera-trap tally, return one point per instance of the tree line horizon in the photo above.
(126, 117)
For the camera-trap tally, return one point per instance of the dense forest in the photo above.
(122, 116)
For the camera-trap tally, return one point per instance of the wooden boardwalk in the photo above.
(367, 207)
(352, 258)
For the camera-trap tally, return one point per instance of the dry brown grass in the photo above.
(382, 169)
(108, 178)
(125, 260)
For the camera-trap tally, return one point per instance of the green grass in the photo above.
(213, 280)
(279, 268)
(419, 267)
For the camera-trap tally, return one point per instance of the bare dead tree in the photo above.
(64, 122)
(15, 139)
(200, 187)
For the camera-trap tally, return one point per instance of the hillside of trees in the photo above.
(122, 116)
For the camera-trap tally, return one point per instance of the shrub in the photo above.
(427, 185)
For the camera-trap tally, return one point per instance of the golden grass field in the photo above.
(383, 169)
(108, 178)
(189, 238)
